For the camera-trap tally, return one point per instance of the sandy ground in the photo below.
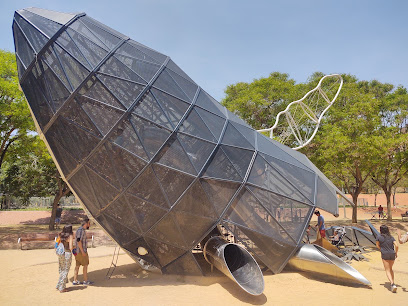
(29, 277)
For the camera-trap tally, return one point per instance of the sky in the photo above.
(223, 42)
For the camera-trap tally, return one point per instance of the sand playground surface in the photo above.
(29, 277)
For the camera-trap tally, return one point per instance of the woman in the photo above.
(389, 249)
(66, 237)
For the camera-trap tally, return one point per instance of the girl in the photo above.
(389, 249)
(66, 237)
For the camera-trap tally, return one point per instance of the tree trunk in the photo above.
(57, 198)
(354, 216)
(388, 196)
(63, 191)
(375, 200)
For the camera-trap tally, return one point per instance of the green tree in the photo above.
(390, 146)
(15, 119)
(259, 102)
(342, 147)
(35, 175)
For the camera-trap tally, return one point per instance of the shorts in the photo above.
(57, 220)
(388, 256)
(82, 260)
(323, 233)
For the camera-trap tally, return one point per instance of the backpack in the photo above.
(60, 250)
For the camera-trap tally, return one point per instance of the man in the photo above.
(82, 258)
(320, 224)
(380, 212)
(58, 216)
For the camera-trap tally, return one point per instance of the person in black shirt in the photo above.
(389, 250)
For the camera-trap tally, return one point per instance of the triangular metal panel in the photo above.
(240, 158)
(195, 126)
(106, 37)
(173, 155)
(123, 214)
(185, 265)
(125, 91)
(149, 109)
(105, 192)
(247, 211)
(80, 28)
(91, 51)
(172, 107)
(23, 49)
(66, 42)
(265, 176)
(147, 187)
(219, 192)
(126, 137)
(214, 123)
(74, 112)
(41, 109)
(146, 213)
(37, 39)
(221, 167)
(167, 231)
(302, 179)
(207, 102)
(197, 150)
(174, 182)
(75, 72)
(83, 188)
(293, 216)
(273, 252)
(129, 50)
(166, 83)
(145, 69)
(126, 164)
(188, 87)
(46, 25)
(234, 138)
(115, 67)
(103, 116)
(151, 135)
(195, 202)
(165, 253)
(95, 90)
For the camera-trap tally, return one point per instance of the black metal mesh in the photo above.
(154, 158)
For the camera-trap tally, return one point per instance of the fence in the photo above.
(8, 202)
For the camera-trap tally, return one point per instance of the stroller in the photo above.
(338, 236)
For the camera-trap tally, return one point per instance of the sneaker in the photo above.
(76, 283)
(394, 288)
(87, 283)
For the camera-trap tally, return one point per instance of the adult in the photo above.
(320, 224)
(66, 237)
(380, 212)
(58, 216)
(82, 258)
(389, 250)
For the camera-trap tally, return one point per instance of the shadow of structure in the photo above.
(131, 275)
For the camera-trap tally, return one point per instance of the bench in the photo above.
(404, 216)
(46, 237)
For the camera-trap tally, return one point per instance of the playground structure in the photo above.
(154, 159)
(297, 125)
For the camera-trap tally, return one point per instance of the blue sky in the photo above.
(218, 43)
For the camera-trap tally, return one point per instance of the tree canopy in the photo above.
(363, 136)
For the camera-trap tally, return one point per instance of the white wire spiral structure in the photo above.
(297, 125)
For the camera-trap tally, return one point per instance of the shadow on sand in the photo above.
(131, 275)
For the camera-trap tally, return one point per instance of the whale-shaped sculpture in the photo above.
(152, 157)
